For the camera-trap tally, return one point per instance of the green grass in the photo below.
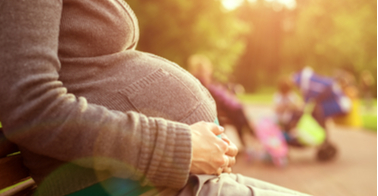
(256, 98)
(369, 121)
(369, 115)
(262, 96)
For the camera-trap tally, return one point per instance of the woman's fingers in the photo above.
(231, 161)
(209, 151)
(211, 154)
(227, 170)
(225, 138)
(232, 149)
(219, 171)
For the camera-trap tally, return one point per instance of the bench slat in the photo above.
(25, 188)
(12, 171)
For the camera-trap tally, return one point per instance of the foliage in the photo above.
(176, 29)
(260, 62)
(326, 35)
(262, 40)
(337, 34)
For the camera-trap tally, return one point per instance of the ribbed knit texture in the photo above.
(75, 96)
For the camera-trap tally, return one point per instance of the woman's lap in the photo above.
(232, 184)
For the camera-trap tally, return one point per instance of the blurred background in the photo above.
(248, 40)
(255, 42)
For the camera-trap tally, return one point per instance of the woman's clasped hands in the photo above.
(211, 154)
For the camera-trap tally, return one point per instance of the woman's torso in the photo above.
(102, 65)
(99, 62)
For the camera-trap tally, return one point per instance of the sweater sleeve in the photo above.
(37, 113)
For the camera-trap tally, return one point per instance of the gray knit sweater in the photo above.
(83, 105)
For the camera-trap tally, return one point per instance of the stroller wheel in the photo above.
(326, 152)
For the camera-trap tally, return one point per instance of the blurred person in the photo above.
(347, 83)
(93, 116)
(288, 107)
(230, 109)
(366, 87)
(324, 92)
(328, 101)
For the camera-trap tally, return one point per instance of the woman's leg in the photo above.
(233, 185)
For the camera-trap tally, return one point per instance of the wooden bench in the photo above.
(14, 176)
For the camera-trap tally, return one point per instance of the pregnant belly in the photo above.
(141, 82)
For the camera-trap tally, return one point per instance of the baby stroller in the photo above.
(326, 99)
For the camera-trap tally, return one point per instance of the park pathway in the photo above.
(352, 173)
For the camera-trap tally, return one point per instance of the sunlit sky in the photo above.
(232, 4)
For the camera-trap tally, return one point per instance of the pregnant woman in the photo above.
(93, 116)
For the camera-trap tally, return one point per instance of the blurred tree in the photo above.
(263, 38)
(176, 29)
(334, 34)
(261, 62)
(326, 35)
